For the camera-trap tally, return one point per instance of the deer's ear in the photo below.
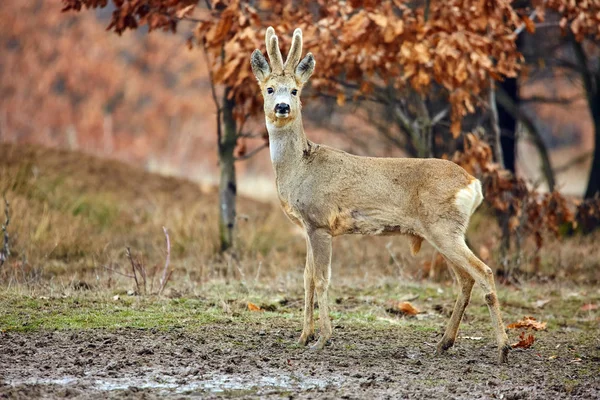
(305, 68)
(260, 66)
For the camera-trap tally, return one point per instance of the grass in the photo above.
(26, 311)
(73, 216)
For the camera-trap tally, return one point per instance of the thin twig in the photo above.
(395, 260)
(251, 135)
(524, 25)
(253, 152)
(142, 268)
(166, 275)
(117, 272)
(183, 18)
(153, 275)
(549, 100)
(257, 273)
(571, 163)
(5, 252)
(137, 284)
(439, 116)
(495, 124)
(213, 91)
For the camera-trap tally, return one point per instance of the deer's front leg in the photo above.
(320, 243)
(308, 329)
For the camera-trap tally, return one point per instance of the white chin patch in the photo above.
(282, 115)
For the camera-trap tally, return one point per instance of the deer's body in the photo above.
(347, 194)
(329, 192)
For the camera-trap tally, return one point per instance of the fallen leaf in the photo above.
(402, 308)
(589, 307)
(253, 307)
(524, 342)
(528, 322)
(552, 357)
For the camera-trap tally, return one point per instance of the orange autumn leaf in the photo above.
(402, 308)
(528, 322)
(529, 24)
(524, 342)
(254, 307)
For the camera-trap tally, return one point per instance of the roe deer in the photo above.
(328, 192)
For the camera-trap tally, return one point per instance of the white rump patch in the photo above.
(470, 197)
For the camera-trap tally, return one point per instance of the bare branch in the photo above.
(5, 251)
(550, 100)
(253, 152)
(495, 123)
(561, 62)
(137, 284)
(440, 116)
(251, 135)
(213, 92)
(166, 273)
(574, 161)
(117, 272)
(524, 25)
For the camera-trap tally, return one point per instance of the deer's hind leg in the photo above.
(465, 282)
(308, 329)
(457, 252)
(320, 243)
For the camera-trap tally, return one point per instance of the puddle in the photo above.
(215, 383)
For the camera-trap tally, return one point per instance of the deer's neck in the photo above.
(287, 144)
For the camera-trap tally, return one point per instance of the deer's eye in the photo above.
(270, 90)
(294, 92)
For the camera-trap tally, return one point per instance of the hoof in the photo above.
(319, 345)
(503, 354)
(305, 338)
(443, 345)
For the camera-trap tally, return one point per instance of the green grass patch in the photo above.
(23, 313)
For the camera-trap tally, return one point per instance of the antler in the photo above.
(273, 50)
(295, 52)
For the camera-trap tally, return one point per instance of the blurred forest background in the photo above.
(511, 91)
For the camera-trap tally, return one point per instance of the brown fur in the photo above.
(329, 193)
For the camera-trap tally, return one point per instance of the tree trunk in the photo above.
(508, 124)
(593, 186)
(495, 125)
(509, 106)
(227, 185)
(591, 84)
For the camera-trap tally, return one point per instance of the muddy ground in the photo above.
(261, 359)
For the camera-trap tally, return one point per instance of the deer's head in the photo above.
(281, 83)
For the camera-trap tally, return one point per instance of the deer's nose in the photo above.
(282, 108)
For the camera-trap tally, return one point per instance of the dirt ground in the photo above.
(261, 359)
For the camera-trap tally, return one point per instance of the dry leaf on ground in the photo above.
(402, 308)
(253, 307)
(589, 307)
(528, 322)
(524, 342)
